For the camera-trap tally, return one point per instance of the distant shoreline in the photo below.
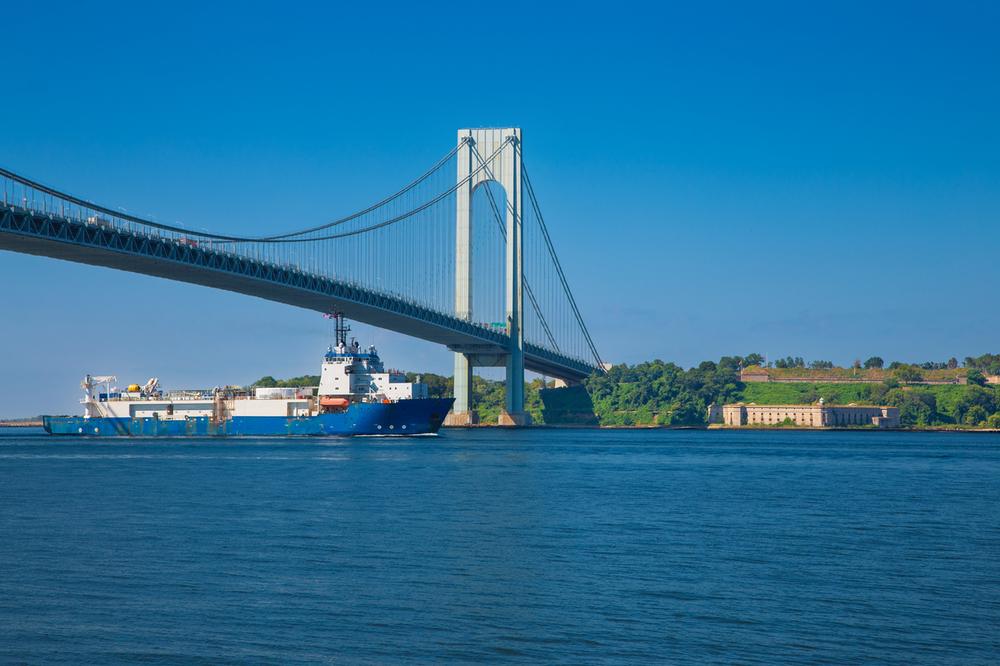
(571, 426)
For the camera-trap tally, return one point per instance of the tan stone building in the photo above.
(817, 415)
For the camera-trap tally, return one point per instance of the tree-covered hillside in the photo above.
(659, 393)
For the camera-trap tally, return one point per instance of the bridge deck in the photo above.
(53, 236)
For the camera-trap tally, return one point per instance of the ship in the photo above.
(356, 396)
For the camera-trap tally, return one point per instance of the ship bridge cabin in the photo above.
(347, 372)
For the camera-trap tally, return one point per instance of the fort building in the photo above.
(817, 415)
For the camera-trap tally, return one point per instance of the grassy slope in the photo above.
(947, 395)
(805, 393)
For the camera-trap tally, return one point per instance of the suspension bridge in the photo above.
(461, 256)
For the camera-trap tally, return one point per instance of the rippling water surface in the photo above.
(554, 546)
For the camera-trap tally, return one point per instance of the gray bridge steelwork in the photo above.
(295, 268)
(60, 238)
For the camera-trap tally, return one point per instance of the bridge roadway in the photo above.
(30, 232)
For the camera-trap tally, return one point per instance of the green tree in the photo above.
(975, 416)
(790, 362)
(988, 364)
(438, 386)
(970, 397)
(294, 382)
(976, 377)
(875, 362)
(908, 373)
(684, 413)
(916, 408)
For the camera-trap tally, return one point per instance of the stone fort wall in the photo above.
(814, 416)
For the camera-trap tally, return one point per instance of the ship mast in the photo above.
(342, 329)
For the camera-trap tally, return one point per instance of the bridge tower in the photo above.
(476, 145)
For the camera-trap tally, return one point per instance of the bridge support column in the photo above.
(462, 413)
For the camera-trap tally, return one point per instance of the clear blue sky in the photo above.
(813, 179)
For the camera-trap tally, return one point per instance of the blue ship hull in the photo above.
(405, 417)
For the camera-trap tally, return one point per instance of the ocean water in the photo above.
(563, 546)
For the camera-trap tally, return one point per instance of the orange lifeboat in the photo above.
(338, 403)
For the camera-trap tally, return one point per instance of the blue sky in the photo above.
(813, 179)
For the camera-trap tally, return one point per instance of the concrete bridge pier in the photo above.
(461, 413)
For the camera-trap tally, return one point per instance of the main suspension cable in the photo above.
(451, 190)
(97, 208)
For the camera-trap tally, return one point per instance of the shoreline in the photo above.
(714, 427)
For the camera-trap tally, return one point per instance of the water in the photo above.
(551, 546)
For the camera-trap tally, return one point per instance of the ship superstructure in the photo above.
(352, 374)
(356, 396)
